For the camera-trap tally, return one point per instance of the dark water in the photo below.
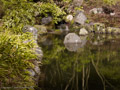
(92, 65)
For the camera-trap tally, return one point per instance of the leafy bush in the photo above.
(15, 56)
(110, 2)
(18, 15)
(48, 9)
(1, 10)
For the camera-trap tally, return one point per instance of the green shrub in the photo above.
(110, 2)
(15, 56)
(18, 15)
(48, 9)
(1, 10)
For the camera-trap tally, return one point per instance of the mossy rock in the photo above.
(113, 30)
(99, 28)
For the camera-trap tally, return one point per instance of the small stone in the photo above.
(64, 28)
(83, 31)
(69, 18)
(46, 20)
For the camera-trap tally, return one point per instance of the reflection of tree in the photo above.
(72, 70)
(107, 66)
(64, 66)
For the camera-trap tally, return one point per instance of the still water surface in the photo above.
(92, 65)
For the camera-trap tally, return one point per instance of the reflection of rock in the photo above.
(41, 38)
(76, 46)
(80, 18)
(72, 38)
(98, 40)
(41, 29)
(83, 40)
(72, 46)
(47, 42)
(99, 28)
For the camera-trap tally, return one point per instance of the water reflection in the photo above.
(76, 46)
(87, 66)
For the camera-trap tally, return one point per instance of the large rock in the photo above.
(38, 52)
(72, 38)
(83, 31)
(80, 18)
(35, 71)
(41, 29)
(73, 47)
(97, 10)
(31, 29)
(46, 20)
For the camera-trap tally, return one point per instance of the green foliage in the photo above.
(15, 54)
(48, 9)
(1, 9)
(18, 15)
(110, 2)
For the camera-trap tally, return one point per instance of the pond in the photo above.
(92, 65)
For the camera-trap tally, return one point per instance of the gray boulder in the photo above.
(74, 47)
(31, 29)
(46, 20)
(80, 18)
(83, 31)
(72, 38)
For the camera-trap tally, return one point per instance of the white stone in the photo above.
(112, 14)
(69, 18)
(83, 31)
